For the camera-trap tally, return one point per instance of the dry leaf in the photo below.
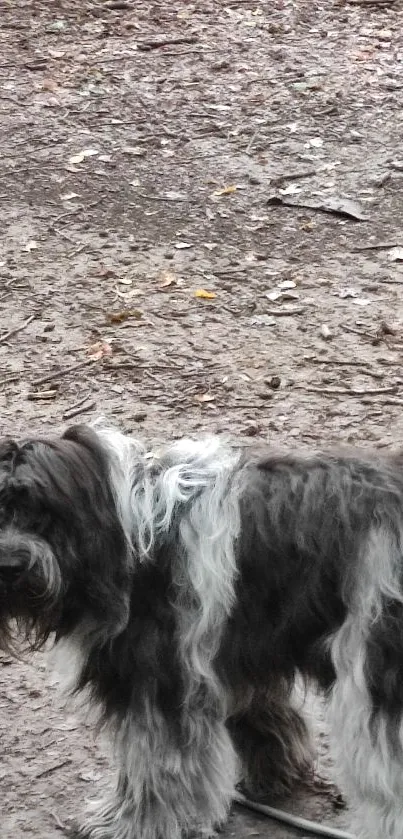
(125, 314)
(99, 350)
(204, 397)
(136, 151)
(167, 279)
(78, 158)
(125, 280)
(291, 189)
(226, 190)
(202, 294)
(181, 246)
(68, 196)
(286, 284)
(395, 255)
(56, 53)
(90, 776)
(49, 85)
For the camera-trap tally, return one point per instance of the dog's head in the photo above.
(63, 553)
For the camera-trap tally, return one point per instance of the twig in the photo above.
(359, 332)
(59, 824)
(161, 197)
(12, 332)
(51, 376)
(337, 391)
(80, 409)
(336, 361)
(46, 772)
(251, 141)
(164, 42)
(380, 246)
(293, 176)
(284, 312)
(362, 366)
(10, 379)
(44, 395)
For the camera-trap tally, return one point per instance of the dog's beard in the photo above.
(30, 587)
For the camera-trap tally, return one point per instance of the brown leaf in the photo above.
(167, 279)
(226, 190)
(125, 314)
(204, 397)
(99, 350)
(202, 294)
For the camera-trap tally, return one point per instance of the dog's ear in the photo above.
(9, 450)
(83, 435)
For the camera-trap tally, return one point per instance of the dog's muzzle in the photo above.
(27, 562)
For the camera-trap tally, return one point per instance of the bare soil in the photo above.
(147, 272)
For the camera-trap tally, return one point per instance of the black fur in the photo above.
(304, 570)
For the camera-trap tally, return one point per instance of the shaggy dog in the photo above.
(188, 590)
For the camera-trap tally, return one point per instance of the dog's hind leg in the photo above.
(272, 742)
(366, 720)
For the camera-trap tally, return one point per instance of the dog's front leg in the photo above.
(176, 778)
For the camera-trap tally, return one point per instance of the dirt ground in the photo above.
(152, 268)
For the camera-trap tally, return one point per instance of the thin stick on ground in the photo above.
(79, 408)
(65, 372)
(337, 391)
(17, 329)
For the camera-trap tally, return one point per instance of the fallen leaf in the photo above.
(136, 151)
(80, 157)
(292, 189)
(344, 207)
(49, 85)
(167, 279)
(56, 53)
(286, 284)
(99, 350)
(395, 255)
(90, 776)
(176, 196)
(68, 196)
(362, 301)
(181, 246)
(31, 246)
(204, 397)
(315, 143)
(66, 726)
(348, 292)
(129, 294)
(125, 314)
(125, 280)
(226, 190)
(202, 294)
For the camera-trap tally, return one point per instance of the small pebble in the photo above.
(326, 332)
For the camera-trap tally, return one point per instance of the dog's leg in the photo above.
(273, 744)
(367, 739)
(175, 780)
